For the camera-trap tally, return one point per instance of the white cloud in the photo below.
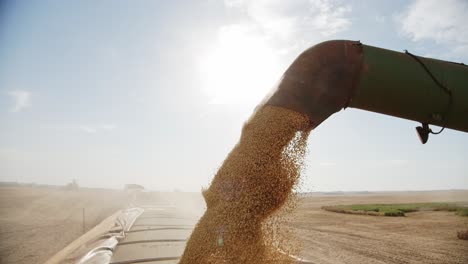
(295, 20)
(441, 21)
(92, 129)
(21, 100)
(234, 3)
(245, 61)
(107, 126)
(88, 129)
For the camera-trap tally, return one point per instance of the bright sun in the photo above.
(240, 69)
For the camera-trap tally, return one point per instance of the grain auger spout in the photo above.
(337, 74)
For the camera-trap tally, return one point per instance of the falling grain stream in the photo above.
(242, 223)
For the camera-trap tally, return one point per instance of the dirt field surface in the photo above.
(420, 237)
(37, 222)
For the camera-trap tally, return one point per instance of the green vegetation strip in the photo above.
(397, 209)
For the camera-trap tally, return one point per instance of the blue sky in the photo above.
(153, 92)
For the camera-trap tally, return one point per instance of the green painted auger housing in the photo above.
(337, 74)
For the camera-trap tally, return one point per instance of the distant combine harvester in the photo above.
(72, 186)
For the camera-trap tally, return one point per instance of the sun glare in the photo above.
(240, 69)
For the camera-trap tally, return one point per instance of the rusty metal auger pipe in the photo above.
(338, 74)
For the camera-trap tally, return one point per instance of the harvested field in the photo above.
(31, 231)
(36, 222)
(420, 237)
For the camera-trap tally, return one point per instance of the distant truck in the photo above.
(72, 186)
(133, 187)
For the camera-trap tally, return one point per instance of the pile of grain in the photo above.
(255, 180)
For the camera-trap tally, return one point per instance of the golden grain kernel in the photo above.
(243, 223)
